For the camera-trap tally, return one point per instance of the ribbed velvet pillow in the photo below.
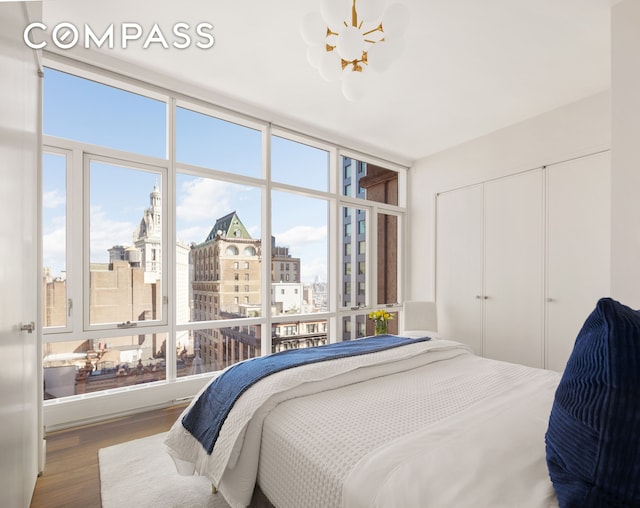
(593, 438)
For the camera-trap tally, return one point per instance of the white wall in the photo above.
(571, 131)
(625, 176)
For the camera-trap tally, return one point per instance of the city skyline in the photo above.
(119, 196)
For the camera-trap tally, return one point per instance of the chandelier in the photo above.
(344, 40)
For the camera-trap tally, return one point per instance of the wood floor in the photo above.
(71, 478)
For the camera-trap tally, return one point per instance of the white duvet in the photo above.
(490, 455)
(446, 453)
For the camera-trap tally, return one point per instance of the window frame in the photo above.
(117, 160)
(69, 237)
(78, 247)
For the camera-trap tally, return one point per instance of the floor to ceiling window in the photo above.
(179, 238)
(370, 247)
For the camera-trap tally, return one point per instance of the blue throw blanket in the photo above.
(205, 419)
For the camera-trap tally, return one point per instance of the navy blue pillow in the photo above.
(593, 438)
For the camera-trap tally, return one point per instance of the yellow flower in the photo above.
(380, 315)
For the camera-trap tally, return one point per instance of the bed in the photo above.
(423, 423)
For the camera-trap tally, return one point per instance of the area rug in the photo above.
(141, 473)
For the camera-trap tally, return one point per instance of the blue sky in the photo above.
(85, 111)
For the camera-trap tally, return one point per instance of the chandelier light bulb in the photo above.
(313, 29)
(331, 66)
(371, 11)
(315, 55)
(350, 43)
(395, 19)
(353, 84)
(335, 12)
(380, 56)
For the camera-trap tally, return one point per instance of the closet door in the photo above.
(578, 243)
(19, 346)
(514, 269)
(459, 265)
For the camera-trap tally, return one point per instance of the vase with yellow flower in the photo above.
(381, 319)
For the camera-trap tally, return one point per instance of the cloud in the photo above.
(54, 249)
(195, 233)
(53, 199)
(105, 233)
(313, 268)
(309, 244)
(301, 236)
(203, 199)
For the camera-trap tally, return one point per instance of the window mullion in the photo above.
(266, 339)
(75, 242)
(169, 259)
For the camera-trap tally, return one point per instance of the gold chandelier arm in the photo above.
(376, 29)
(356, 63)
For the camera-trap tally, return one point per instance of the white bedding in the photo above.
(490, 455)
(307, 444)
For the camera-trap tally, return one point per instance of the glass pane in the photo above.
(298, 335)
(83, 110)
(218, 252)
(367, 181)
(355, 327)
(86, 366)
(125, 241)
(387, 258)
(209, 350)
(294, 163)
(354, 254)
(299, 254)
(206, 141)
(54, 239)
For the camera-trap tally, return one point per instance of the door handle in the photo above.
(29, 327)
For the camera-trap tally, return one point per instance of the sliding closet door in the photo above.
(459, 265)
(514, 264)
(579, 204)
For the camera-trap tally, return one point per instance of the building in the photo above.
(146, 251)
(284, 268)
(226, 284)
(287, 296)
(148, 237)
(55, 299)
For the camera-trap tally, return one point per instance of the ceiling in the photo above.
(469, 67)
